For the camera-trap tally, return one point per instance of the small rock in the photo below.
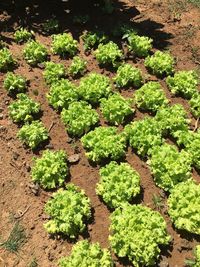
(1, 116)
(35, 189)
(27, 166)
(41, 65)
(164, 264)
(45, 217)
(2, 128)
(15, 155)
(50, 146)
(54, 246)
(74, 158)
(50, 256)
(32, 227)
(69, 140)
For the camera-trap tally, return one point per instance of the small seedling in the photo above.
(16, 238)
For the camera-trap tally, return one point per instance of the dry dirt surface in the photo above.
(173, 26)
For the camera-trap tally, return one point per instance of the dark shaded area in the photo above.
(32, 14)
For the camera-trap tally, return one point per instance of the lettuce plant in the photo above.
(184, 205)
(191, 141)
(61, 94)
(23, 109)
(169, 166)
(53, 72)
(87, 254)
(22, 35)
(104, 143)
(136, 233)
(51, 26)
(184, 83)
(150, 97)
(78, 66)
(128, 75)
(116, 108)
(195, 105)
(118, 184)
(6, 59)
(51, 169)
(35, 53)
(33, 134)
(172, 119)
(93, 87)
(63, 44)
(92, 39)
(143, 135)
(197, 257)
(79, 118)
(108, 54)
(69, 210)
(139, 45)
(14, 83)
(161, 63)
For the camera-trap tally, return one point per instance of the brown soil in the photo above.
(158, 19)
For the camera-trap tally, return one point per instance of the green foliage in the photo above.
(143, 135)
(128, 75)
(35, 53)
(51, 26)
(123, 30)
(161, 63)
(137, 233)
(104, 143)
(51, 169)
(81, 19)
(53, 72)
(69, 210)
(33, 134)
(169, 166)
(184, 83)
(78, 66)
(150, 97)
(22, 35)
(195, 105)
(108, 7)
(184, 205)
(85, 254)
(172, 119)
(63, 44)
(15, 239)
(62, 93)
(6, 59)
(197, 255)
(33, 263)
(79, 118)
(118, 184)
(92, 39)
(191, 141)
(139, 45)
(158, 202)
(23, 109)
(196, 3)
(14, 83)
(116, 108)
(93, 87)
(196, 261)
(108, 54)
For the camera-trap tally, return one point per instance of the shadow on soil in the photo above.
(32, 14)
